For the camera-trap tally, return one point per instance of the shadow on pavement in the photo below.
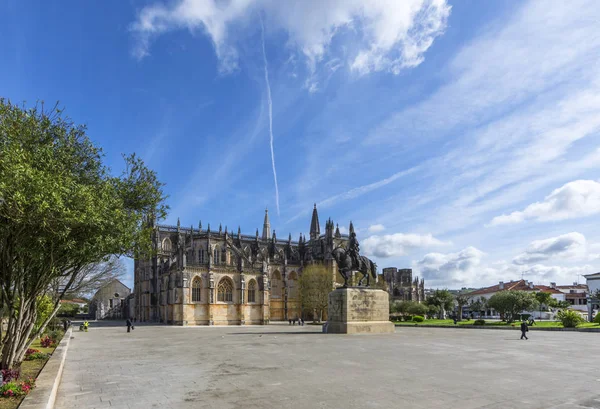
(275, 333)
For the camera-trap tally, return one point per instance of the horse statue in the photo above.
(346, 266)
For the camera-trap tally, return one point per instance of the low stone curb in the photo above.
(499, 328)
(43, 395)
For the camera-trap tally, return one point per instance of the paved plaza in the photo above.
(281, 366)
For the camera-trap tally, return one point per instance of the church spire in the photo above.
(266, 235)
(315, 230)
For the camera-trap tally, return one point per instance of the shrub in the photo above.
(10, 375)
(36, 355)
(418, 318)
(569, 319)
(56, 335)
(10, 389)
(597, 319)
(408, 318)
(47, 342)
(479, 322)
(14, 388)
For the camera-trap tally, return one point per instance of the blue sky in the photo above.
(461, 138)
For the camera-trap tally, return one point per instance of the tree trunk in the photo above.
(42, 327)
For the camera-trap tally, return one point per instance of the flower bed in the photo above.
(15, 388)
(17, 383)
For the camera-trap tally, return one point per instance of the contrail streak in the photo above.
(262, 27)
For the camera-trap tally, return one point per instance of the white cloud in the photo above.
(558, 274)
(358, 191)
(376, 228)
(399, 244)
(511, 126)
(388, 35)
(579, 198)
(451, 268)
(570, 245)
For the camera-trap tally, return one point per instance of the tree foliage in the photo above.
(315, 284)
(461, 301)
(409, 307)
(509, 304)
(478, 304)
(61, 211)
(544, 299)
(443, 299)
(68, 310)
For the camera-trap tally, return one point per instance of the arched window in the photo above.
(216, 256)
(225, 290)
(276, 285)
(252, 291)
(197, 290)
(224, 256)
(201, 256)
(166, 245)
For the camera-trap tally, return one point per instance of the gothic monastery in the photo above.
(204, 277)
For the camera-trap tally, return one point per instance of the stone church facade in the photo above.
(401, 285)
(206, 277)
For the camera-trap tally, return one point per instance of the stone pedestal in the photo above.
(358, 310)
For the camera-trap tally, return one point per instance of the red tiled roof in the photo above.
(546, 289)
(520, 285)
(511, 285)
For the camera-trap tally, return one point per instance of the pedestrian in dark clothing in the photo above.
(524, 329)
(129, 325)
(290, 321)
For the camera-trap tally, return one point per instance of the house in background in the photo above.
(576, 294)
(109, 301)
(520, 285)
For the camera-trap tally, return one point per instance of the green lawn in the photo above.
(450, 323)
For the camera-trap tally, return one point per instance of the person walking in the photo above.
(86, 324)
(129, 325)
(524, 330)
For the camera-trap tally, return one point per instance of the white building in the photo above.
(576, 294)
(593, 283)
(520, 285)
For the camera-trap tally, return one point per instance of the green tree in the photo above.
(478, 304)
(68, 310)
(443, 299)
(417, 309)
(315, 284)
(509, 304)
(401, 307)
(432, 311)
(544, 300)
(61, 210)
(461, 301)
(44, 307)
(559, 305)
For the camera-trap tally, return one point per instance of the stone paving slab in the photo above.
(281, 366)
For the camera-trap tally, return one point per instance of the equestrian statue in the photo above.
(349, 260)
